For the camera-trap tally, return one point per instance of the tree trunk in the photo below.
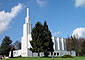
(78, 54)
(46, 54)
(11, 53)
(38, 54)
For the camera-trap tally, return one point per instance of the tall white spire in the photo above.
(27, 12)
(27, 20)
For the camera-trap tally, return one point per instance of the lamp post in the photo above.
(52, 56)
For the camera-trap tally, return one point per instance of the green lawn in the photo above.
(42, 58)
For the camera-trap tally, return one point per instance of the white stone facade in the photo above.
(60, 47)
(25, 43)
(59, 43)
(61, 53)
(25, 39)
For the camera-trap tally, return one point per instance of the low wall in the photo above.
(61, 53)
(17, 53)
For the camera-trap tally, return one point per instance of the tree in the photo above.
(79, 46)
(83, 48)
(48, 44)
(17, 45)
(37, 39)
(41, 39)
(68, 44)
(73, 43)
(12, 48)
(5, 46)
(0, 51)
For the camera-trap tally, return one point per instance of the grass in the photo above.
(44, 58)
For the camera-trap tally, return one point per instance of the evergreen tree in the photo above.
(48, 44)
(5, 46)
(0, 51)
(37, 38)
(41, 39)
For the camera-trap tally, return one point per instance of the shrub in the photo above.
(67, 56)
(20, 56)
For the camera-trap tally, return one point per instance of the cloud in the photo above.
(80, 32)
(56, 33)
(41, 2)
(79, 3)
(6, 17)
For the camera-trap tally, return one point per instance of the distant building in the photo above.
(59, 43)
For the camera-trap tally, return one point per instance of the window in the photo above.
(48, 53)
(54, 53)
(57, 53)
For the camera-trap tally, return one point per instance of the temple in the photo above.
(59, 43)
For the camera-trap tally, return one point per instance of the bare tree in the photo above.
(75, 44)
(17, 45)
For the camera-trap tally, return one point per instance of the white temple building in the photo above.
(25, 39)
(27, 28)
(59, 43)
(60, 47)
